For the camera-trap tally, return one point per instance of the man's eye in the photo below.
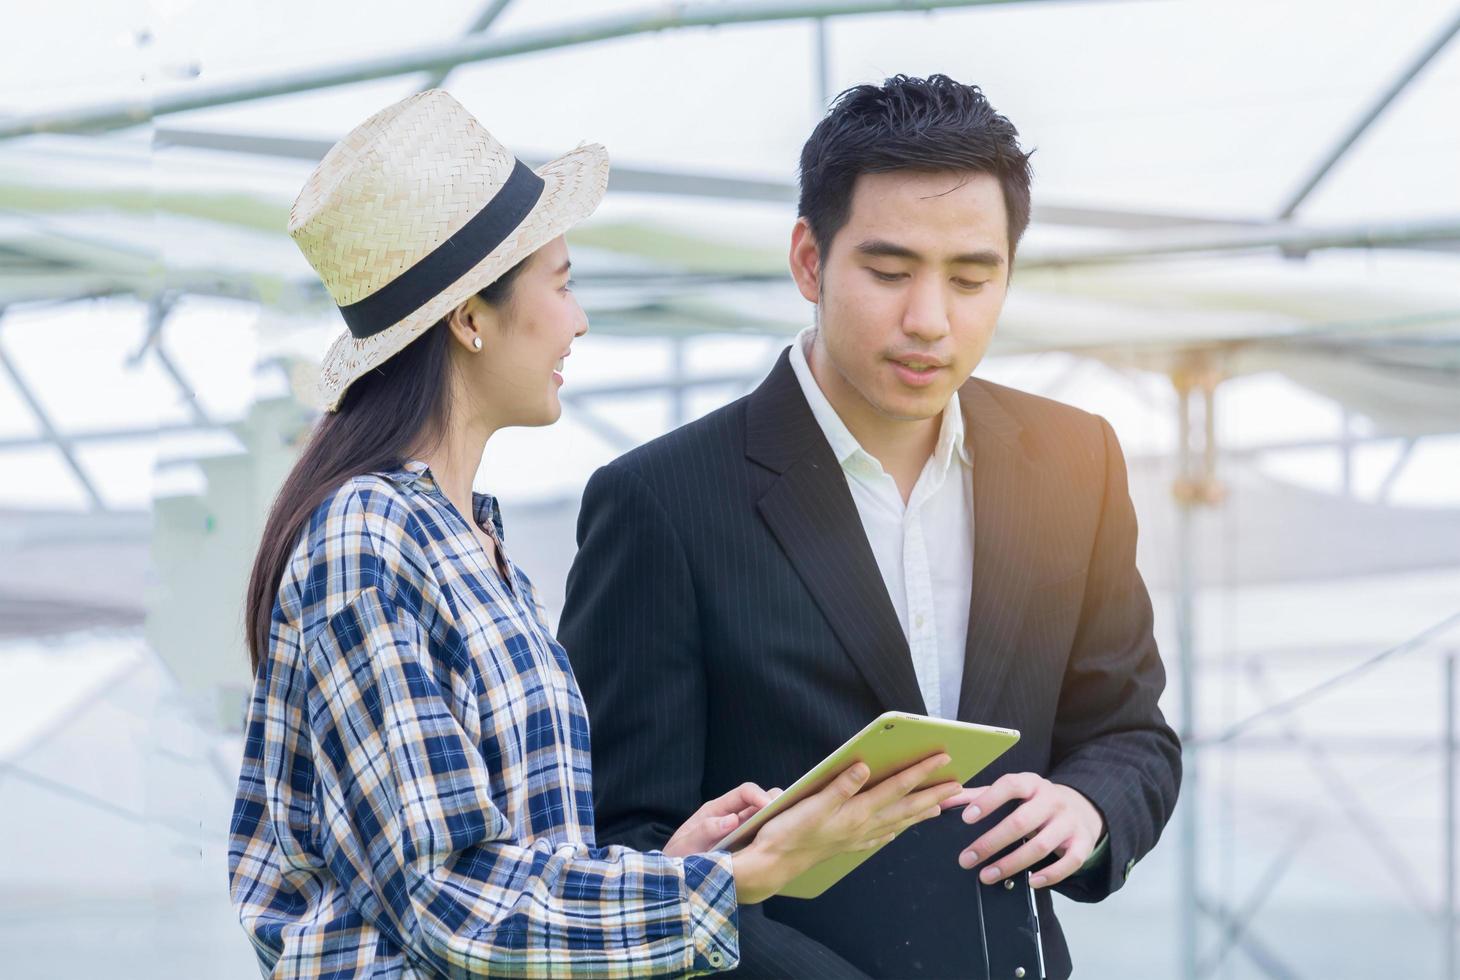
(969, 284)
(887, 276)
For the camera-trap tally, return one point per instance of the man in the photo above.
(872, 530)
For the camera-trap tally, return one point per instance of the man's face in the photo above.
(911, 288)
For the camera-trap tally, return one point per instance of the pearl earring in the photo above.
(476, 343)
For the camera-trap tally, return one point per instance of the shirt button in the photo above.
(717, 959)
(920, 621)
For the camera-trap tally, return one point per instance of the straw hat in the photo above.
(417, 209)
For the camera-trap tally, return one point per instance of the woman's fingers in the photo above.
(830, 800)
(846, 785)
(746, 796)
(701, 832)
(876, 842)
(886, 831)
(894, 788)
(913, 809)
(919, 806)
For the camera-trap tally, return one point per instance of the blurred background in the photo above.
(1245, 253)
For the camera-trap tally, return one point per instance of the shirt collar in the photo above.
(415, 473)
(844, 445)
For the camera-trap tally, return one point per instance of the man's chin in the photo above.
(913, 409)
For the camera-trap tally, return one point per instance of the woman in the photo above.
(416, 796)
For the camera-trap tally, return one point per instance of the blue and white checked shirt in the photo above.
(416, 795)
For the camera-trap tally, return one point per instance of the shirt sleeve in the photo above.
(410, 830)
(1096, 856)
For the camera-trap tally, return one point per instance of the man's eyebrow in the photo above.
(563, 269)
(892, 250)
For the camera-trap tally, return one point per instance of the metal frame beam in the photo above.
(1292, 240)
(1371, 829)
(52, 435)
(109, 435)
(448, 55)
(1240, 728)
(821, 53)
(483, 22)
(645, 181)
(1258, 952)
(583, 413)
(1392, 477)
(1234, 924)
(1449, 815)
(622, 179)
(157, 310)
(1195, 386)
(1369, 117)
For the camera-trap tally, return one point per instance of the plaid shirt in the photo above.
(416, 794)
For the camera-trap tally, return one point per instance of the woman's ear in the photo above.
(469, 323)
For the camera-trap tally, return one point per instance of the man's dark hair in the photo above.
(926, 124)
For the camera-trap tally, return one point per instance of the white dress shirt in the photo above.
(924, 548)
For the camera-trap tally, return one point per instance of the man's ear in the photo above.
(806, 261)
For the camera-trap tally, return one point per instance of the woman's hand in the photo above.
(715, 819)
(840, 818)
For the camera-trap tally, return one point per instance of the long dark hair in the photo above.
(399, 407)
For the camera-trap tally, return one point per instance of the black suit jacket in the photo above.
(727, 622)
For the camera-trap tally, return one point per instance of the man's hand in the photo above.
(1053, 819)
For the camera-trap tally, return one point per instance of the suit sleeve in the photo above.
(631, 628)
(1111, 742)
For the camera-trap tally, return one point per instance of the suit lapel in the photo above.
(1004, 565)
(810, 511)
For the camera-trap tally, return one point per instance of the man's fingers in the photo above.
(1026, 821)
(963, 797)
(1059, 870)
(1031, 853)
(1013, 786)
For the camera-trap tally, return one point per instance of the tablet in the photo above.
(888, 745)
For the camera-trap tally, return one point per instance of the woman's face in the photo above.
(515, 377)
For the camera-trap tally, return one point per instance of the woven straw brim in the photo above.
(574, 185)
